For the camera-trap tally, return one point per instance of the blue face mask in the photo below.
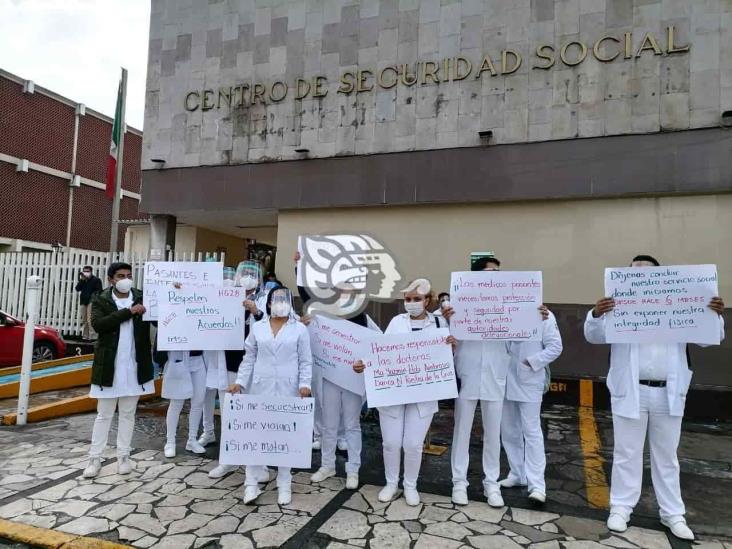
(271, 285)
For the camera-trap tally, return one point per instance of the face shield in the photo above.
(248, 275)
(281, 303)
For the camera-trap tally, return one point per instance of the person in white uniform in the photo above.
(405, 426)
(122, 370)
(184, 378)
(222, 366)
(277, 362)
(342, 407)
(481, 367)
(648, 383)
(521, 435)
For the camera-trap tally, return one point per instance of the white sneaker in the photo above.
(316, 445)
(193, 446)
(206, 438)
(678, 528)
(387, 493)
(459, 495)
(537, 497)
(284, 495)
(321, 474)
(124, 465)
(169, 450)
(351, 481)
(342, 444)
(222, 470)
(92, 470)
(617, 523)
(495, 499)
(412, 496)
(510, 482)
(251, 493)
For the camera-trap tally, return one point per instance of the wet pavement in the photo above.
(173, 503)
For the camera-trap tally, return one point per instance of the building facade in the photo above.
(53, 161)
(563, 135)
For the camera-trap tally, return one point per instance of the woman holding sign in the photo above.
(648, 383)
(405, 426)
(277, 362)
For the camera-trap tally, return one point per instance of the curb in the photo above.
(51, 539)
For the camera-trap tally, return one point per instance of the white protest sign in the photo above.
(207, 319)
(160, 275)
(496, 305)
(662, 304)
(298, 264)
(409, 368)
(336, 345)
(266, 430)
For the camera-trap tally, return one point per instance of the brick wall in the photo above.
(34, 206)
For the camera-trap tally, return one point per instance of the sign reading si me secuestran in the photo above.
(607, 48)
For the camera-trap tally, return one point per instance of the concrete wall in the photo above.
(211, 241)
(209, 45)
(570, 241)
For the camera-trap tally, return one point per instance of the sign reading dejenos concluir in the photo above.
(605, 49)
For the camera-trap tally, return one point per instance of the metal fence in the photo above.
(60, 270)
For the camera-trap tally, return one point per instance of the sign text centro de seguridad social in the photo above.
(450, 69)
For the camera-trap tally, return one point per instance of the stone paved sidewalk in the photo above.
(173, 504)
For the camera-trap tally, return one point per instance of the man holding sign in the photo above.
(649, 378)
(489, 309)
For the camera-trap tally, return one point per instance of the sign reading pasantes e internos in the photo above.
(606, 49)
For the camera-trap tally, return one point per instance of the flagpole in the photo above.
(120, 161)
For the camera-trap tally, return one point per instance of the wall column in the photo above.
(162, 236)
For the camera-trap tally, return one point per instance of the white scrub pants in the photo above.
(664, 432)
(125, 425)
(407, 431)
(255, 472)
(341, 406)
(464, 413)
(209, 403)
(198, 378)
(523, 442)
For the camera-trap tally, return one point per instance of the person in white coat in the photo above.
(184, 378)
(648, 383)
(481, 367)
(526, 382)
(277, 362)
(405, 426)
(342, 407)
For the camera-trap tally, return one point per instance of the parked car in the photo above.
(47, 342)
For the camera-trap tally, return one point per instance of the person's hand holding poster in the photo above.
(336, 344)
(207, 319)
(409, 368)
(266, 430)
(493, 305)
(161, 275)
(662, 304)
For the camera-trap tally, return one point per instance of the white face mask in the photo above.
(123, 286)
(445, 303)
(87, 274)
(280, 309)
(228, 283)
(415, 308)
(249, 282)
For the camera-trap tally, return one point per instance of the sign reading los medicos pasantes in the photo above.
(606, 49)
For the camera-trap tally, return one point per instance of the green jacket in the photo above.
(106, 320)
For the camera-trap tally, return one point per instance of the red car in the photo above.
(47, 344)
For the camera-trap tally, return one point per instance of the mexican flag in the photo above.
(114, 145)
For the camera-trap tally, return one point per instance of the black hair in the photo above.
(269, 298)
(269, 275)
(117, 266)
(648, 258)
(88, 267)
(481, 263)
(441, 295)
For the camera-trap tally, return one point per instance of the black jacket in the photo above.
(88, 287)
